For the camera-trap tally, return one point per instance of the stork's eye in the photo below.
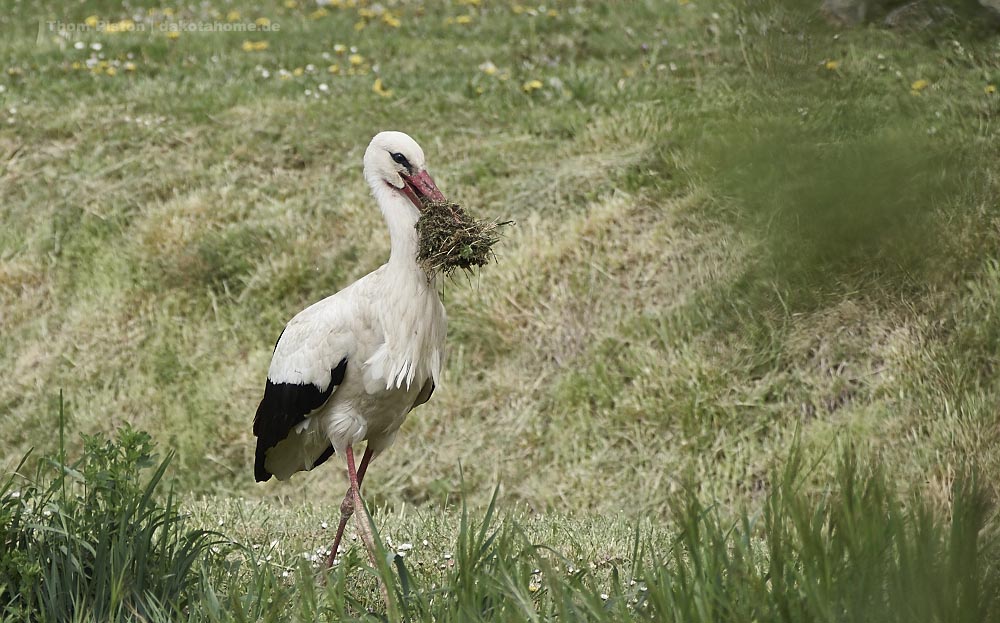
(400, 159)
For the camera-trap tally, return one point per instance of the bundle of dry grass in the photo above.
(450, 238)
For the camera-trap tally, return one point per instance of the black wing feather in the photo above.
(285, 406)
(424, 395)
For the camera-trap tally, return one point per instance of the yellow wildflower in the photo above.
(366, 13)
(518, 9)
(919, 85)
(130, 66)
(379, 88)
(831, 65)
(990, 89)
(254, 46)
(553, 13)
(334, 69)
(91, 21)
(359, 25)
(356, 59)
(173, 34)
(168, 11)
(111, 71)
(233, 16)
(531, 85)
(391, 20)
(263, 22)
(77, 65)
(298, 71)
(339, 48)
(488, 68)
(291, 4)
(463, 19)
(318, 13)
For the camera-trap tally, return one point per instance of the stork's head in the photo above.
(395, 163)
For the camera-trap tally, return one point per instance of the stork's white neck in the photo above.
(401, 219)
(412, 317)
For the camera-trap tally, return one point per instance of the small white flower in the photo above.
(405, 547)
(604, 596)
(79, 45)
(96, 46)
(323, 87)
(323, 525)
(310, 67)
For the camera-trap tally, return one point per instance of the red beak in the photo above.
(420, 187)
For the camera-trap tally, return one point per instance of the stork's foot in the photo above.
(364, 522)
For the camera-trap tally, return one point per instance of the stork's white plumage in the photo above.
(350, 367)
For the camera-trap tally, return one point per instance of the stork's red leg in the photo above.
(347, 506)
(364, 521)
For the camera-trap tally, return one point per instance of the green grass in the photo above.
(93, 540)
(738, 230)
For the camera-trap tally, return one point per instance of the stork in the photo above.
(352, 366)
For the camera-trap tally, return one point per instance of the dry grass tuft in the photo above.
(451, 239)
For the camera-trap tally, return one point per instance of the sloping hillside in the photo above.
(737, 229)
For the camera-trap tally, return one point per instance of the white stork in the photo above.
(350, 367)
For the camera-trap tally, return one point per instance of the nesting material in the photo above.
(450, 238)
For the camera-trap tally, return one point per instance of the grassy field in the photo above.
(745, 241)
